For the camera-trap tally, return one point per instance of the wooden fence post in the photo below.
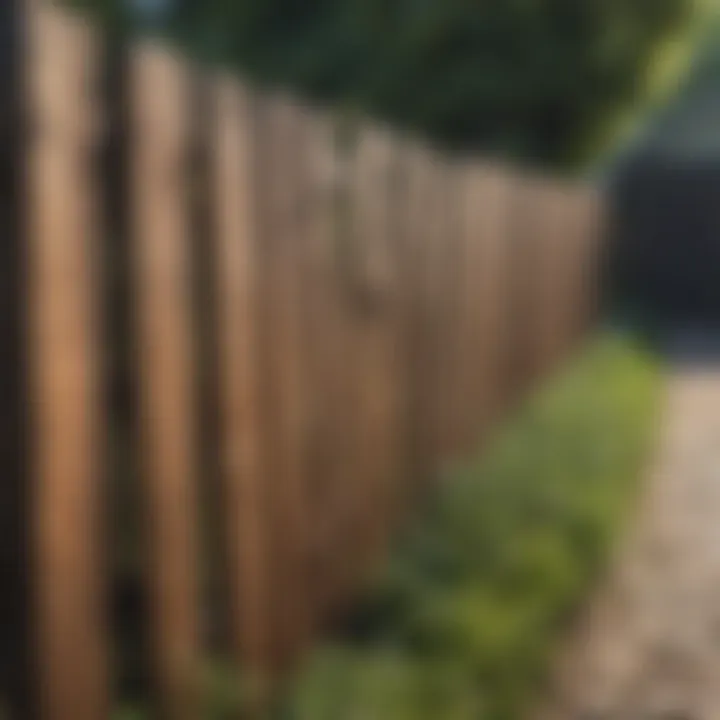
(418, 350)
(235, 270)
(414, 208)
(159, 137)
(469, 309)
(67, 425)
(545, 298)
(521, 317)
(437, 291)
(375, 308)
(16, 668)
(485, 203)
(450, 300)
(281, 297)
(329, 363)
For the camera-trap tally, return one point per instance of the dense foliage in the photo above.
(539, 79)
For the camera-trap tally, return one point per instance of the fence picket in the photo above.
(483, 236)
(235, 270)
(65, 369)
(375, 303)
(328, 379)
(284, 400)
(159, 131)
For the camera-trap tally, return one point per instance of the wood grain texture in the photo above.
(64, 355)
(523, 240)
(436, 276)
(546, 333)
(329, 377)
(235, 270)
(377, 352)
(409, 219)
(283, 374)
(447, 296)
(485, 191)
(159, 132)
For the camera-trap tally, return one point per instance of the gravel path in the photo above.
(648, 647)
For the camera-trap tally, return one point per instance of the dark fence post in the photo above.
(15, 657)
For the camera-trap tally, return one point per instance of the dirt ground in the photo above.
(648, 646)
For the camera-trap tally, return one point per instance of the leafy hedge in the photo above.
(464, 619)
(543, 80)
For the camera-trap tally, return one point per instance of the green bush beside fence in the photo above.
(462, 624)
(464, 620)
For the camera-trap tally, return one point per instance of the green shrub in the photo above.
(463, 621)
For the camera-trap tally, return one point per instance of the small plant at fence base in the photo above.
(463, 622)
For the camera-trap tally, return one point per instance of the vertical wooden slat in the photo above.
(67, 430)
(521, 316)
(498, 263)
(435, 284)
(538, 228)
(449, 301)
(417, 350)
(159, 132)
(467, 365)
(486, 219)
(431, 211)
(284, 399)
(404, 266)
(564, 239)
(544, 243)
(416, 206)
(235, 270)
(355, 508)
(375, 307)
(542, 340)
(328, 372)
(321, 376)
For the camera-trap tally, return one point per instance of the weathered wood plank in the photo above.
(485, 212)
(282, 360)
(235, 270)
(448, 269)
(328, 372)
(437, 296)
(376, 314)
(420, 254)
(64, 356)
(159, 134)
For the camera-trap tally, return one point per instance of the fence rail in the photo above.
(251, 344)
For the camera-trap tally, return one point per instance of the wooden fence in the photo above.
(251, 339)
